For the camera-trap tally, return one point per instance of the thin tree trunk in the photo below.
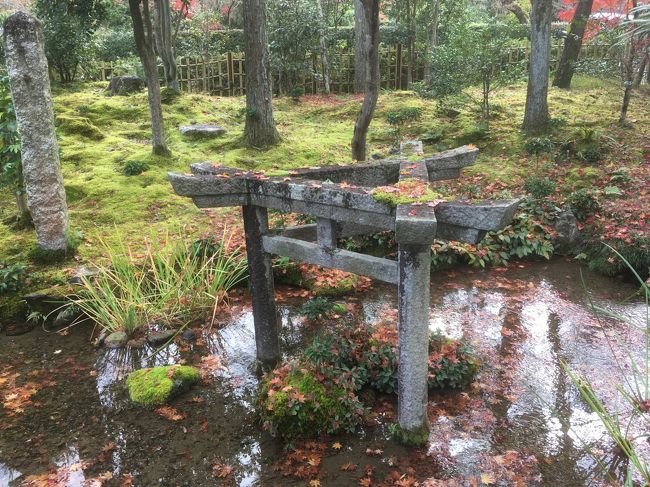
(536, 112)
(361, 36)
(573, 44)
(517, 11)
(641, 71)
(371, 16)
(163, 38)
(432, 40)
(260, 128)
(143, 33)
(411, 46)
(323, 47)
(628, 74)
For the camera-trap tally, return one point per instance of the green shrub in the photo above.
(320, 307)
(538, 145)
(154, 387)
(294, 403)
(586, 144)
(633, 253)
(452, 363)
(583, 203)
(399, 118)
(11, 277)
(539, 187)
(134, 168)
(296, 93)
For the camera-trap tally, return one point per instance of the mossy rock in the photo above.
(297, 405)
(78, 126)
(13, 308)
(417, 437)
(47, 300)
(155, 386)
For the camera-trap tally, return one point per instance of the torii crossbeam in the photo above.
(340, 197)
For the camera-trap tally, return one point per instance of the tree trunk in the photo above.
(323, 47)
(642, 69)
(143, 33)
(371, 16)
(517, 11)
(573, 44)
(260, 128)
(628, 73)
(163, 37)
(411, 45)
(536, 113)
(432, 40)
(361, 39)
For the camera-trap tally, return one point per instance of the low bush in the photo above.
(319, 308)
(134, 168)
(539, 187)
(538, 145)
(294, 402)
(630, 253)
(583, 203)
(11, 277)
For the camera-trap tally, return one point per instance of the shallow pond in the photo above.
(66, 419)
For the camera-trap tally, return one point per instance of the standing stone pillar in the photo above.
(256, 225)
(413, 301)
(30, 90)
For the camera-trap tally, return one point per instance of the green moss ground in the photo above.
(99, 134)
(154, 387)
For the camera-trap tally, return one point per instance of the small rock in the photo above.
(66, 317)
(394, 150)
(81, 273)
(202, 130)
(568, 233)
(188, 335)
(124, 85)
(376, 156)
(117, 339)
(160, 337)
(136, 343)
(100, 339)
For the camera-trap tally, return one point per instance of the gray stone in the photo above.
(81, 273)
(202, 130)
(188, 335)
(30, 89)
(125, 85)
(568, 233)
(409, 148)
(161, 337)
(66, 317)
(117, 339)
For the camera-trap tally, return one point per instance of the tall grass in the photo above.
(628, 425)
(167, 284)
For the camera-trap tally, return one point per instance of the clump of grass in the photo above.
(168, 284)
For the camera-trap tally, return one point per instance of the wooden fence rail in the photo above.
(223, 74)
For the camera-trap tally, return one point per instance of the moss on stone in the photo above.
(405, 192)
(417, 437)
(155, 386)
(79, 126)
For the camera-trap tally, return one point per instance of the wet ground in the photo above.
(66, 419)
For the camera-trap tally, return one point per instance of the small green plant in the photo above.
(399, 118)
(452, 363)
(11, 277)
(319, 308)
(134, 168)
(539, 187)
(538, 145)
(583, 203)
(296, 93)
(586, 144)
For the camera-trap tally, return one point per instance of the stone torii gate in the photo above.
(340, 198)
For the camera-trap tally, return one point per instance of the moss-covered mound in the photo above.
(153, 387)
(79, 126)
(295, 402)
(405, 192)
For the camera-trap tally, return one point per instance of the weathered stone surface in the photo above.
(364, 265)
(202, 130)
(81, 273)
(116, 339)
(568, 233)
(188, 335)
(32, 98)
(413, 351)
(161, 337)
(125, 85)
(66, 317)
(409, 148)
(48, 300)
